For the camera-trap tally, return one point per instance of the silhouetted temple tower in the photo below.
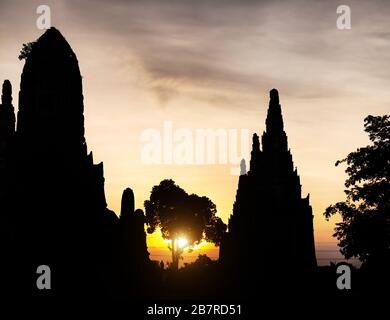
(51, 98)
(52, 200)
(270, 221)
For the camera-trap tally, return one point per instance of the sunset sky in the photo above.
(210, 64)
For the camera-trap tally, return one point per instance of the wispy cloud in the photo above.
(228, 50)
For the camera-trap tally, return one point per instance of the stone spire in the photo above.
(6, 96)
(255, 142)
(242, 167)
(274, 139)
(7, 115)
(51, 99)
(127, 204)
(274, 122)
(269, 199)
(132, 247)
(255, 154)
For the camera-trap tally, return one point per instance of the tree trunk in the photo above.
(175, 259)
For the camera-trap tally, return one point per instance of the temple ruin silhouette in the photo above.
(270, 222)
(52, 198)
(54, 211)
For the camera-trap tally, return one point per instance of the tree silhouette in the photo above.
(26, 49)
(201, 262)
(215, 230)
(365, 228)
(180, 215)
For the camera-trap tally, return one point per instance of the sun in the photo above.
(182, 242)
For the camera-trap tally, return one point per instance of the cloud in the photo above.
(229, 50)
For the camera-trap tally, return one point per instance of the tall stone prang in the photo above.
(53, 208)
(56, 212)
(51, 98)
(271, 227)
(62, 187)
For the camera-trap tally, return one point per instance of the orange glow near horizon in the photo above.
(158, 249)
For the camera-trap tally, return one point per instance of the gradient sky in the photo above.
(210, 64)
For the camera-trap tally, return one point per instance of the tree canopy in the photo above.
(182, 215)
(365, 228)
(26, 49)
